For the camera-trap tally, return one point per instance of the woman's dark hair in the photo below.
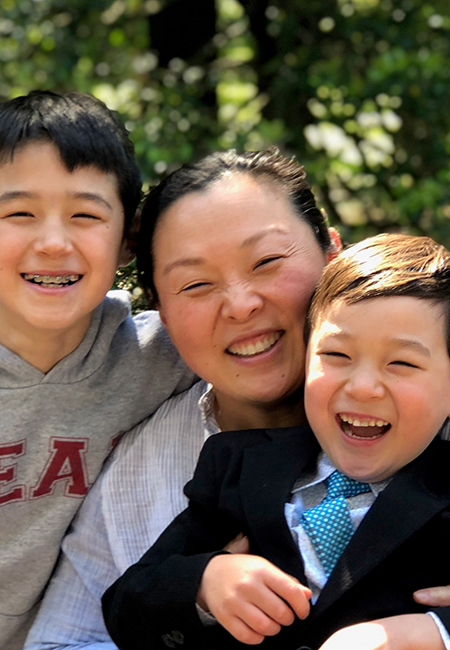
(267, 166)
(84, 131)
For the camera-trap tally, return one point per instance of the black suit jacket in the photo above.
(242, 482)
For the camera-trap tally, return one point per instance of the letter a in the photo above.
(67, 463)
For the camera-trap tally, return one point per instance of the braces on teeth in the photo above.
(51, 279)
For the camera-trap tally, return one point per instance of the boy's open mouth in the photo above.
(362, 428)
(51, 281)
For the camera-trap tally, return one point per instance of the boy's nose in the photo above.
(52, 239)
(365, 384)
(240, 302)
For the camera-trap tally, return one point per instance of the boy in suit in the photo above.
(377, 392)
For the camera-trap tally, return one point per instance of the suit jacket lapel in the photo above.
(417, 493)
(269, 472)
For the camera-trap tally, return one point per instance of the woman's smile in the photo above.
(235, 268)
(254, 345)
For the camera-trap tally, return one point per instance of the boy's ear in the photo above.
(127, 251)
(336, 244)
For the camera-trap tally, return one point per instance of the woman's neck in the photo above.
(232, 415)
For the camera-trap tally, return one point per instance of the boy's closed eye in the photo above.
(86, 215)
(19, 213)
(406, 364)
(335, 354)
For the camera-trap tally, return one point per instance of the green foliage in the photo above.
(358, 90)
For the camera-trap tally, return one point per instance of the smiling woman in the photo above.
(235, 306)
(237, 248)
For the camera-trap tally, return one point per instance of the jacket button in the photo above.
(177, 637)
(174, 639)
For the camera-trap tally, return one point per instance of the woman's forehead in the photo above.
(230, 231)
(235, 198)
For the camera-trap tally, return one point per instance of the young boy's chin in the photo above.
(364, 469)
(65, 315)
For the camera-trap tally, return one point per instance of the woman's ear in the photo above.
(127, 251)
(336, 244)
(162, 315)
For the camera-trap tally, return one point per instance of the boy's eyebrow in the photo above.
(91, 196)
(416, 345)
(399, 342)
(23, 194)
(16, 194)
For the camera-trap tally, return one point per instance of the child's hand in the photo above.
(407, 632)
(239, 544)
(434, 596)
(251, 597)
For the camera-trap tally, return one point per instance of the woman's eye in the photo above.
(196, 285)
(267, 260)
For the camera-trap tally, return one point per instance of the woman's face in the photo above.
(234, 270)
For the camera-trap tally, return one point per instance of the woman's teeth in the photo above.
(51, 280)
(363, 428)
(250, 349)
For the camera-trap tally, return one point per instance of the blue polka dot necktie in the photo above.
(328, 525)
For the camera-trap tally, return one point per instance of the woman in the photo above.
(231, 249)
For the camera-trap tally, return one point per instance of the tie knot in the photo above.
(341, 485)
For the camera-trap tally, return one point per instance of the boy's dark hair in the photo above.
(84, 131)
(268, 166)
(386, 265)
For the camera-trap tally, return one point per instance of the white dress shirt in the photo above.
(125, 511)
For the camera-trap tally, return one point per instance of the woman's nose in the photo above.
(52, 238)
(240, 302)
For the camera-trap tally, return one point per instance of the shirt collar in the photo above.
(323, 470)
(206, 406)
(324, 465)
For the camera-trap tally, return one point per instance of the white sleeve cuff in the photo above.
(208, 619)
(442, 629)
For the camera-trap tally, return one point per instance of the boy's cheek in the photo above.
(318, 376)
(316, 396)
(311, 365)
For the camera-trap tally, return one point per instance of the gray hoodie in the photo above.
(56, 431)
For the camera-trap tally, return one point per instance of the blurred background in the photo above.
(357, 90)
